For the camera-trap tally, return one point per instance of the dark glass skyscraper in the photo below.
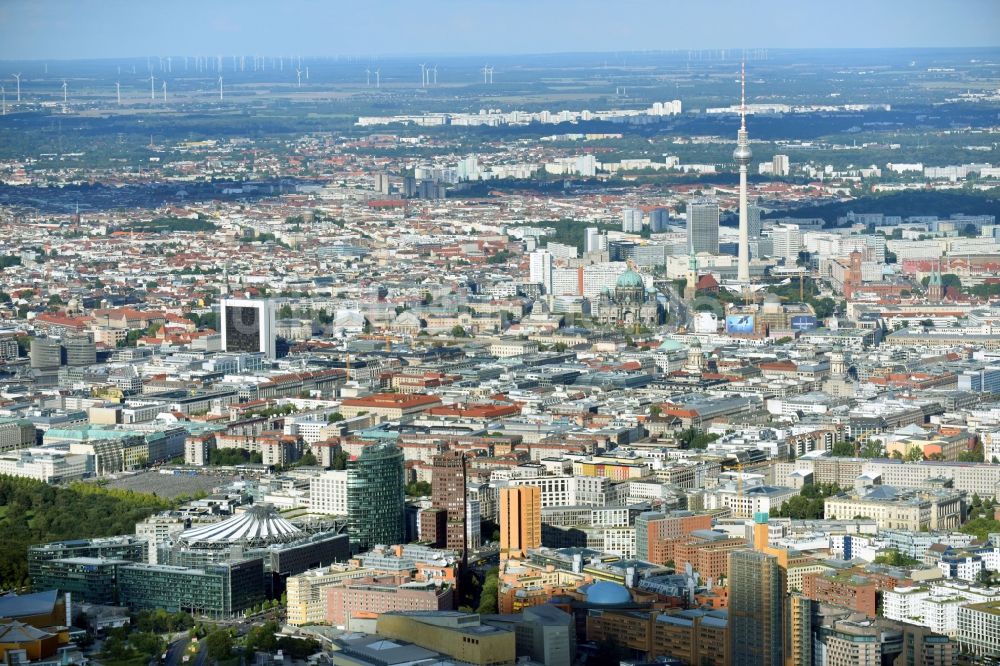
(756, 609)
(376, 505)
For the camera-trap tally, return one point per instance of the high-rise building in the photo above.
(448, 495)
(742, 156)
(376, 505)
(659, 219)
(80, 350)
(779, 165)
(754, 224)
(520, 520)
(328, 493)
(45, 354)
(540, 269)
(756, 609)
(703, 225)
(787, 240)
(247, 326)
(381, 184)
(632, 220)
(592, 240)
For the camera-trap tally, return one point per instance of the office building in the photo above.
(373, 595)
(218, 591)
(659, 220)
(45, 354)
(656, 532)
(632, 220)
(256, 533)
(381, 184)
(779, 165)
(129, 548)
(448, 494)
(756, 609)
(979, 628)
(16, 434)
(754, 223)
(376, 505)
(79, 350)
(93, 580)
(540, 269)
(48, 465)
(703, 225)
(595, 241)
(520, 520)
(328, 493)
(248, 326)
(787, 242)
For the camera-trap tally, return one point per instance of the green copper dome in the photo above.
(630, 280)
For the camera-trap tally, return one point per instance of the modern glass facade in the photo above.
(756, 609)
(89, 579)
(128, 548)
(217, 591)
(703, 226)
(375, 497)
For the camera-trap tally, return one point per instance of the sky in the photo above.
(72, 29)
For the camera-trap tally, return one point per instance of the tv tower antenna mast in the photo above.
(742, 156)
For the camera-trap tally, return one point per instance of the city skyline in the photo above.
(65, 30)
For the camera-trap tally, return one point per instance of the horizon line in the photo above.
(470, 54)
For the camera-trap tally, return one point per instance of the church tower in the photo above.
(691, 278)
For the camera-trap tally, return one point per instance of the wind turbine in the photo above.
(423, 75)
(170, 64)
(368, 77)
(298, 75)
(486, 71)
(65, 88)
(152, 90)
(378, 78)
(435, 70)
(220, 87)
(18, 77)
(489, 70)
(164, 90)
(118, 91)
(307, 72)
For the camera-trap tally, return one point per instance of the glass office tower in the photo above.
(375, 498)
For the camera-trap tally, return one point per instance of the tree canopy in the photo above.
(33, 512)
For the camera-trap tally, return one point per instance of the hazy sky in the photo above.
(54, 29)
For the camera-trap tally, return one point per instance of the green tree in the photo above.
(488, 597)
(894, 558)
(418, 489)
(219, 644)
(336, 417)
(261, 638)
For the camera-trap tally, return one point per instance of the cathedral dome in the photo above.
(630, 280)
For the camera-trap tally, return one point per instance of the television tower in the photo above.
(742, 156)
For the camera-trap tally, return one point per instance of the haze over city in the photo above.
(68, 29)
